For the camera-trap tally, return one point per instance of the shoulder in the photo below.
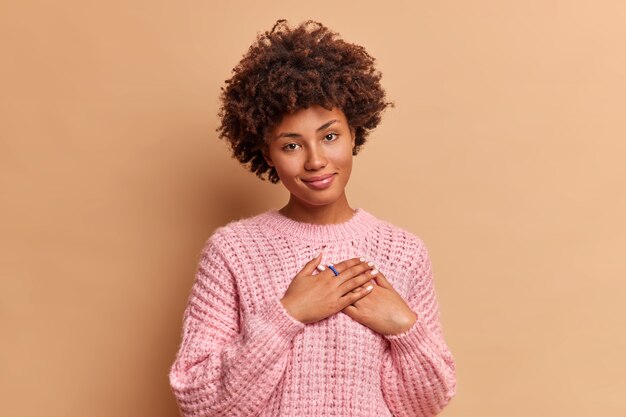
(396, 233)
(236, 234)
(408, 245)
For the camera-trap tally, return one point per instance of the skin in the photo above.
(314, 142)
(298, 150)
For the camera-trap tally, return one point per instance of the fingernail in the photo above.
(370, 264)
(320, 267)
(362, 259)
(369, 287)
(374, 271)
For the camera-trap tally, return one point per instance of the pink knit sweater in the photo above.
(242, 354)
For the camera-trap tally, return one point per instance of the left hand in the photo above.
(383, 309)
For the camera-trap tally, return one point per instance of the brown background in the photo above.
(505, 153)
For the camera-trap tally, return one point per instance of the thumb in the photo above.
(312, 264)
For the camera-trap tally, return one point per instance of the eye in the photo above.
(330, 137)
(290, 147)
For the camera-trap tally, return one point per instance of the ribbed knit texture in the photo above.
(242, 354)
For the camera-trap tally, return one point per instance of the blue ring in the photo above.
(332, 268)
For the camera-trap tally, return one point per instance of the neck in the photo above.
(337, 212)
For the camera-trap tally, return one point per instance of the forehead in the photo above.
(308, 119)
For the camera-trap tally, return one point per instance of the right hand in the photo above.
(311, 298)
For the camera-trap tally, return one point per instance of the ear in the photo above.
(266, 155)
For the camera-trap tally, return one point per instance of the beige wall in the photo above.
(505, 153)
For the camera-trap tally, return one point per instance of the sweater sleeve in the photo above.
(222, 368)
(418, 371)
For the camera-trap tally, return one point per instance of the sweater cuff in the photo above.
(417, 335)
(280, 321)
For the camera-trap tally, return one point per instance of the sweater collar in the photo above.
(358, 225)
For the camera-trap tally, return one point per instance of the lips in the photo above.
(319, 182)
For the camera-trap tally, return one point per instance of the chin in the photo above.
(316, 198)
(318, 201)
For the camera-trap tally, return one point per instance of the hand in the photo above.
(310, 298)
(383, 310)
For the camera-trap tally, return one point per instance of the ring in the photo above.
(332, 268)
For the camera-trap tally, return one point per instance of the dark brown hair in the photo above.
(289, 69)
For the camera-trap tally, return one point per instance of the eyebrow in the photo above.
(297, 135)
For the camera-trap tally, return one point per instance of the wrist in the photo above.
(289, 309)
(404, 323)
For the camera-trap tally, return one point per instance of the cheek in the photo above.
(286, 167)
(343, 158)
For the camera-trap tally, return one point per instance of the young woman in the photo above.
(315, 309)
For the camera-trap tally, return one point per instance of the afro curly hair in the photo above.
(289, 69)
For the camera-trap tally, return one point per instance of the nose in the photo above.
(316, 159)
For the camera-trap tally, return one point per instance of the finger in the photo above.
(383, 281)
(362, 279)
(371, 281)
(357, 289)
(355, 268)
(348, 263)
(361, 288)
(311, 265)
(353, 297)
(351, 311)
(354, 271)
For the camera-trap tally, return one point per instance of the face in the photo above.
(311, 151)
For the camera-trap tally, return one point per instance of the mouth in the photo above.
(320, 182)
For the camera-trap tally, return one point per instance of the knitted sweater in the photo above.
(242, 354)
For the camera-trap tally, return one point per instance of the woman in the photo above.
(316, 309)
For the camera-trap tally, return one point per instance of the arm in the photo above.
(222, 369)
(418, 372)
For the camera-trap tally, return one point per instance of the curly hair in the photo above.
(288, 69)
